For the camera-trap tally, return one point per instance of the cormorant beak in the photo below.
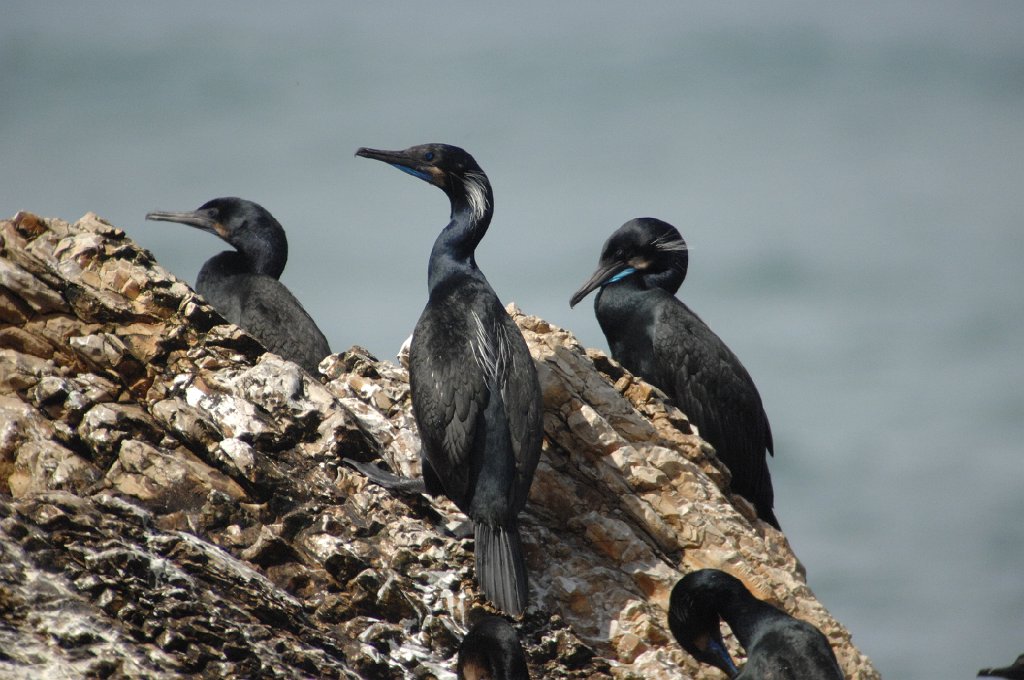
(716, 647)
(406, 163)
(605, 272)
(200, 219)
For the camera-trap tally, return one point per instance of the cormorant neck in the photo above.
(620, 291)
(454, 248)
(265, 252)
(744, 613)
(472, 194)
(668, 279)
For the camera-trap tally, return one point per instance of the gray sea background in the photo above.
(849, 176)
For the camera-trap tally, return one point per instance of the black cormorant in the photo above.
(778, 646)
(658, 338)
(1015, 671)
(475, 393)
(491, 651)
(242, 284)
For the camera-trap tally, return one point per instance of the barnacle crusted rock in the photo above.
(174, 500)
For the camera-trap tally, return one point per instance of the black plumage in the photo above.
(491, 651)
(778, 646)
(242, 284)
(1014, 671)
(657, 337)
(475, 393)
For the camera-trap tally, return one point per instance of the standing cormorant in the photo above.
(658, 338)
(242, 284)
(778, 646)
(491, 651)
(475, 393)
(1014, 671)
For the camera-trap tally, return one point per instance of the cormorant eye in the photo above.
(428, 156)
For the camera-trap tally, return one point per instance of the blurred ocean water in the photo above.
(849, 179)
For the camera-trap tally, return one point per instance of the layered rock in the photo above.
(174, 500)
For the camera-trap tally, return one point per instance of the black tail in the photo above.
(500, 567)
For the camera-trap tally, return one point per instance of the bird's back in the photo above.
(278, 320)
(265, 309)
(790, 649)
(710, 384)
(656, 336)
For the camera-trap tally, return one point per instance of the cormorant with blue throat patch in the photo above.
(778, 646)
(242, 284)
(658, 338)
(491, 651)
(475, 393)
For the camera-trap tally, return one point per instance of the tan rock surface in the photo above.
(174, 500)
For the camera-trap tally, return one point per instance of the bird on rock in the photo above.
(491, 651)
(242, 284)
(475, 393)
(657, 337)
(778, 646)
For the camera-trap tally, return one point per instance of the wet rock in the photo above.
(175, 501)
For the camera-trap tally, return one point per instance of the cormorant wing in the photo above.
(464, 347)
(520, 391)
(709, 384)
(449, 395)
(271, 314)
(791, 650)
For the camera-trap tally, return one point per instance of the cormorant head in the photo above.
(247, 226)
(491, 651)
(694, 621)
(645, 246)
(447, 167)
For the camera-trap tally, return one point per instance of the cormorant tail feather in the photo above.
(501, 568)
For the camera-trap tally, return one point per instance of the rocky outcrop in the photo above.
(174, 500)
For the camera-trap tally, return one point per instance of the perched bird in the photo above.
(242, 284)
(475, 393)
(491, 651)
(1015, 671)
(658, 338)
(778, 646)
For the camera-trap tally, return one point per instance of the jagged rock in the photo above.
(173, 500)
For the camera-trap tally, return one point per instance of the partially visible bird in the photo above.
(1014, 671)
(657, 337)
(475, 393)
(778, 646)
(491, 651)
(242, 284)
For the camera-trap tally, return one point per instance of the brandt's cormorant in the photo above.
(242, 284)
(475, 393)
(778, 646)
(658, 338)
(491, 650)
(1015, 671)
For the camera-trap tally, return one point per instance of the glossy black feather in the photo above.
(475, 393)
(778, 646)
(242, 284)
(654, 335)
